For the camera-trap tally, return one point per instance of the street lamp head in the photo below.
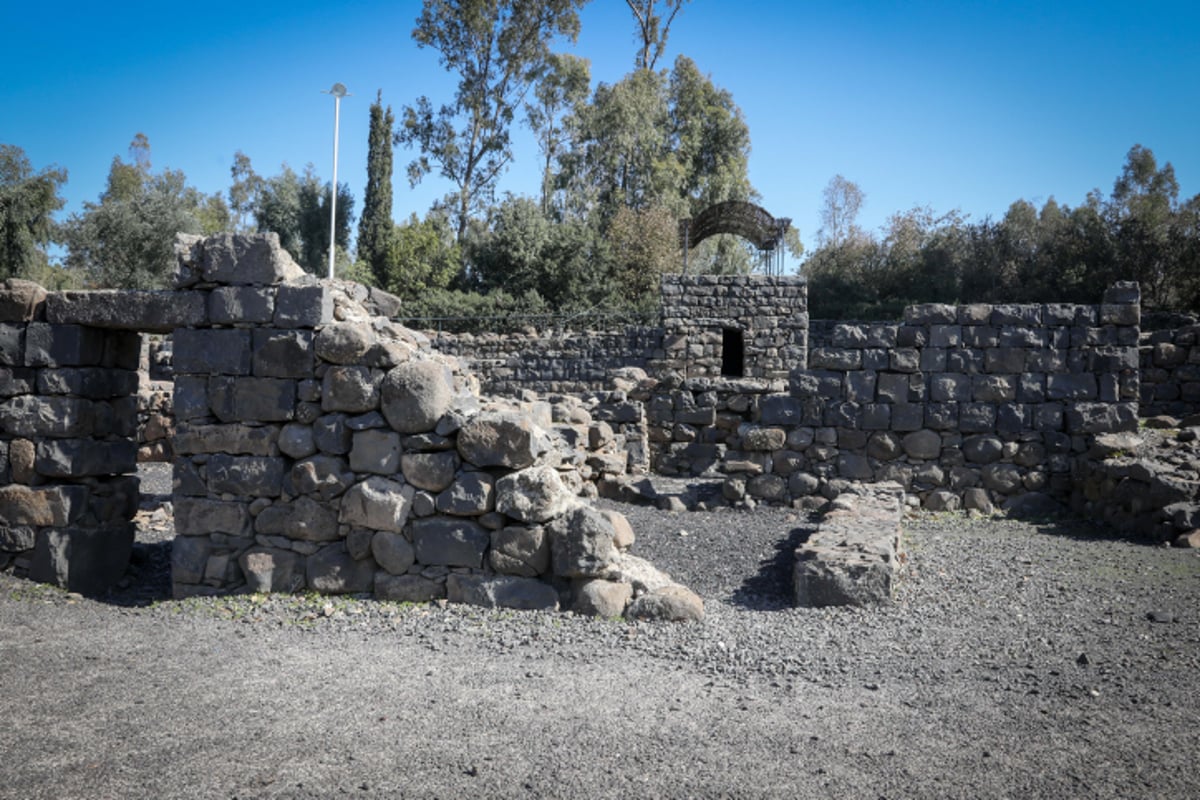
(338, 90)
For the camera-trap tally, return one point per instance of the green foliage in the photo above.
(126, 240)
(297, 209)
(375, 225)
(652, 29)
(1140, 232)
(420, 256)
(645, 244)
(467, 311)
(562, 88)
(498, 48)
(28, 201)
(243, 191)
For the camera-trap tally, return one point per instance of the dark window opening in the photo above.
(733, 353)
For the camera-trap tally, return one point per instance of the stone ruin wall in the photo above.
(317, 446)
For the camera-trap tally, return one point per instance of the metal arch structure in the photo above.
(743, 219)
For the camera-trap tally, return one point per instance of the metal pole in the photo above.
(337, 108)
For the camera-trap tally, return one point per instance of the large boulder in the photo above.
(520, 550)
(582, 543)
(415, 395)
(673, 603)
(535, 494)
(501, 439)
(377, 503)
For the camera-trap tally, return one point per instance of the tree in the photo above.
(564, 86)
(127, 239)
(297, 209)
(243, 192)
(652, 29)
(28, 201)
(1142, 207)
(839, 212)
(499, 49)
(645, 244)
(375, 225)
(422, 255)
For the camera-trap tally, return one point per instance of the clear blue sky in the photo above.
(955, 105)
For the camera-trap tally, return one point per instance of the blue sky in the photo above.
(955, 105)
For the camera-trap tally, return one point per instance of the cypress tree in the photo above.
(375, 225)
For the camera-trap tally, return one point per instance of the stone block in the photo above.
(298, 306)
(331, 570)
(534, 494)
(211, 351)
(246, 476)
(407, 588)
(470, 494)
(21, 300)
(377, 503)
(501, 439)
(190, 399)
(977, 417)
(376, 451)
(12, 345)
(93, 383)
(32, 416)
(252, 399)
(673, 603)
(416, 395)
(994, 388)
(282, 354)
(922, 444)
(501, 591)
(450, 542)
(234, 439)
(296, 441)
(56, 506)
(301, 518)
(1081, 386)
(520, 550)
(234, 258)
(17, 380)
(128, 309)
(429, 471)
(601, 598)
(199, 516)
(269, 569)
(322, 475)
(353, 389)
(84, 560)
(81, 458)
(228, 305)
(345, 342)
(49, 345)
(392, 552)
(908, 416)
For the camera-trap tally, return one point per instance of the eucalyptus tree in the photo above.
(498, 49)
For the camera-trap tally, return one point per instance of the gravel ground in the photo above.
(1019, 660)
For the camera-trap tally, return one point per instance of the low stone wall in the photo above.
(1143, 484)
(960, 405)
(67, 413)
(1170, 369)
(855, 555)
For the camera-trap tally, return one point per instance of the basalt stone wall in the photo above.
(67, 414)
(1170, 364)
(551, 360)
(958, 404)
(736, 326)
(319, 446)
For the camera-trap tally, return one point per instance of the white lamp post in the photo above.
(338, 91)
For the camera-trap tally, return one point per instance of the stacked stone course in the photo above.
(1170, 368)
(67, 415)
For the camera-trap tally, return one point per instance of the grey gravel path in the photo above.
(1019, 661)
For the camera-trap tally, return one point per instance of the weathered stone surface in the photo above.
(93, 383)
(29, 415)
(252, 399)
(601, 598)
(767, 487)
(303, 306)
(977, 499)
(377, 503)
(322, 475)
(198, 516)
(923, 444)
(764, 439)
(535, 494)
(236, 259)
(268, 569)
(49, 345)
(415, 395)
(635, 571)
(392, 552)
(234, 439)
(56, 506)
(345, 342)
(302, 518)
(852, 557)
(1002, 478)
(212, 351)
(375, 451)
(230, 304)
(331, 570)
(296, 441)
(282, 354)
(982, 449)
(501, 439)
(16, 538)
(407, 588)
(251, 476)
(582, 543)
(432, 472)
(80, 458)
(520, 550)
(450, 542)
(20, 300)
(501, 591)
(942, 500)
(672, 603)
(354, 389)
(128, 309)
(189, 556)
(12, 345)
(85, 560)
(331, 435)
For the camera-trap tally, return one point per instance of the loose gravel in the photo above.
(1019, 660)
